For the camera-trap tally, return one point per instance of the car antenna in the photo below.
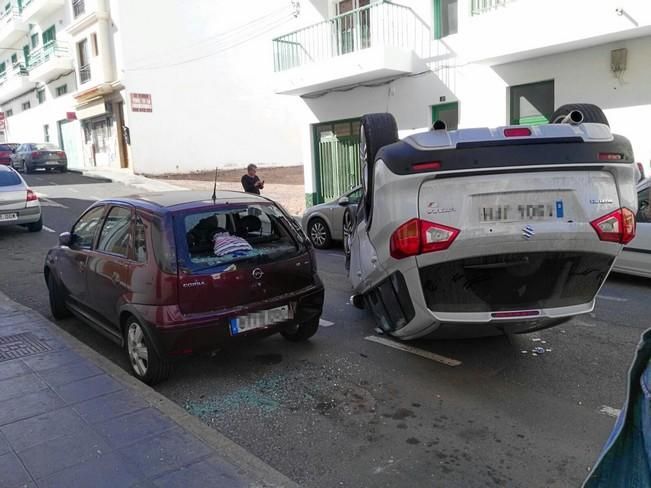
(214, 189)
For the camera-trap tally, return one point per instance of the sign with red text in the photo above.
(141, 102)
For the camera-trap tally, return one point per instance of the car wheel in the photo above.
(319, 233)
(63, 169)
(145, 362)
(301, 332)
(36, 226)
(58, 306)
(591, 113)
(348, 232)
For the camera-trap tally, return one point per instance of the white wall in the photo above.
(217, 111)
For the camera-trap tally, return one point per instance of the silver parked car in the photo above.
(18, 204)
(331, 221)
(489, 230)
(635, 259)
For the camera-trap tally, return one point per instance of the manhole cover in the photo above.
(20, 345)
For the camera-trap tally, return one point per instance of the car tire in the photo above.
(57, 298)
(146, 364)
(63, 169)
(348, 226)
(36, 226)
(319, 233)
(301, 332)
(591, 113)
(376, 131)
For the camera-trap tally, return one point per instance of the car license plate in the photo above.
(261, 319)
(8, 217)
(513, 212)
(53, 156)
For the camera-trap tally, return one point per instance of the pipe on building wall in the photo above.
(104, 42)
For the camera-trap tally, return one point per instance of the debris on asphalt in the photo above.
(524, 352)
(539, 350)
(535, 339)
(379, 331)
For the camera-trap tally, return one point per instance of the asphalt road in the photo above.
(345, 411)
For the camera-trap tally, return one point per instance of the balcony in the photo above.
(13, 27)
(84, 74)
(50, 61)
(14, 82)
(36, 10)
(374, 42)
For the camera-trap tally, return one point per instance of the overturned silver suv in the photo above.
(489, 230)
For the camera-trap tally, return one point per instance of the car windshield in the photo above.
(229, 234)
(9, 178)
(46, 147)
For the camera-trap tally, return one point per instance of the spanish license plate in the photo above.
(258, 320)
(515, 212)
(8, 217)
(53, 156)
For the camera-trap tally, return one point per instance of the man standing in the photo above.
(250, 181)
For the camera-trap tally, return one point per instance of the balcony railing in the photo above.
(16, 70)
(84, 74)
(78, 8)
(55, 49)
(9, 14)
(378, 24)
(479, 7)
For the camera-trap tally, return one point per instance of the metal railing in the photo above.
(54, 49)
(379, 24)
(479, 7)
(84, 74)
(9, 15)
(78, 8)
(16, 70)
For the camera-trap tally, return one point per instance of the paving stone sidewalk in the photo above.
(70, 418)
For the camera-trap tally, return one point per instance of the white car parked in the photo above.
(510, 229)
(636, 256)
(19, 205)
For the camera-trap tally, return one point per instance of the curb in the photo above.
(263, 475)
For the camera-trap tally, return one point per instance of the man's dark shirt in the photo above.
(248, 183)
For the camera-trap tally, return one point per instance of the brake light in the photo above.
(431, 166)
(517, 132)
(617, 226)
(61, 154)
(420, 236)
(31, 196)
(36, 154)
(610, 157)
(510, 315)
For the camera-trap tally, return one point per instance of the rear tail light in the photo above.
(61, 154)
(420, 236)
(517, 132)
(36, 154)
(610, 157)
(431, 166)
(511, 315)
(31, 196)
(617, 226)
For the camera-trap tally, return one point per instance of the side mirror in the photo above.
(343, 201)
(65, 239)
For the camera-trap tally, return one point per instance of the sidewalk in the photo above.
(71, 418)
(127, 177)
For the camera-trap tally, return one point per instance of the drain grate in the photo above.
(21, 345)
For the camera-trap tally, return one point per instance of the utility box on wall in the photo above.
(618, 60)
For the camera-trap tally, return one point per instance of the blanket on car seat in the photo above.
(224, 244)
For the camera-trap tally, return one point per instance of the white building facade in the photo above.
(468, 62)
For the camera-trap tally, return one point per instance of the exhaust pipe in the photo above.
(575, 117)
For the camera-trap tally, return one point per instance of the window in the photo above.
(532, 104)
(34, 41)
(445, 18)
(115, 237)
(14, 59)
(9, 178)
(49, 36)
(46, 133)
(45, 147)
(27, 106)
(85, 229)
(9, 113)
(40, 94)
(448, 113)
(355, 197)
(250, 234)
(3, 68)
(78, 8)
(26, 54)
(84, 61)
(643, 207)
(140, 241)
(93, 40)
(62, 90)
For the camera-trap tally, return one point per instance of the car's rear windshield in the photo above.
(9, 178)
(46, 147)
(6, 147)
(252, 233)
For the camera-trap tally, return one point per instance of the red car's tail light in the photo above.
(31, 196)
(61, 154)
(36, 154)
(617, 226)
(420, 236)
(431, 166)
(610, 157)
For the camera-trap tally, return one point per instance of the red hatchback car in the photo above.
(166, 275)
